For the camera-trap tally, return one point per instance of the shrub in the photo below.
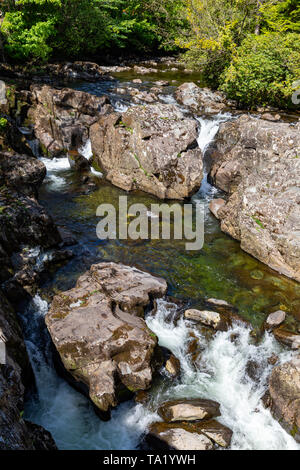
(263, 70)
(3, 123)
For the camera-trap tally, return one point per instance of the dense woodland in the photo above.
(248, 48)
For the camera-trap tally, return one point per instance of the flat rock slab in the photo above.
(100, 334)
(181, 437)
(189, 410)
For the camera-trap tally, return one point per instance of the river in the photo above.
(220, 270)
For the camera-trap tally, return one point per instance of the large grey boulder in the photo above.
(152, 148)
(257, 162)
(200, 100)
(62, 117)
(100, 334)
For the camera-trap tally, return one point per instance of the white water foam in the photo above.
(86, 150)
(55, 167)
(120, 107)
(96, 173)
(168, 99)
(219, 375)
(209, 128)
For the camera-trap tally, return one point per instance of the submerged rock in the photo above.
(100, 334)
(189, 410)
(219, 303)
(152, 148)
(284, 389)
(257, 163)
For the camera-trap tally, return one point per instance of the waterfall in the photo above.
(208, 129)
(55, 167)
(86, 150)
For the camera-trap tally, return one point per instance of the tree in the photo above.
(263, 70)
(281, 16)
(39, 29)
(27, 27)
(217, 28)
(82, 27)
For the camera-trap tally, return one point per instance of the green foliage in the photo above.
(247, 48)
(39, 29)
(28, 27)
(217, 28)
(263, 70)
(81, 28)
(3, 123)
(281, 16)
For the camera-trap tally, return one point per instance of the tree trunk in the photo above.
(258, 18)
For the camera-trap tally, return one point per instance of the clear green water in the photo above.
(221, 269)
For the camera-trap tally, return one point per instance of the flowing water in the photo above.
(219, 270)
